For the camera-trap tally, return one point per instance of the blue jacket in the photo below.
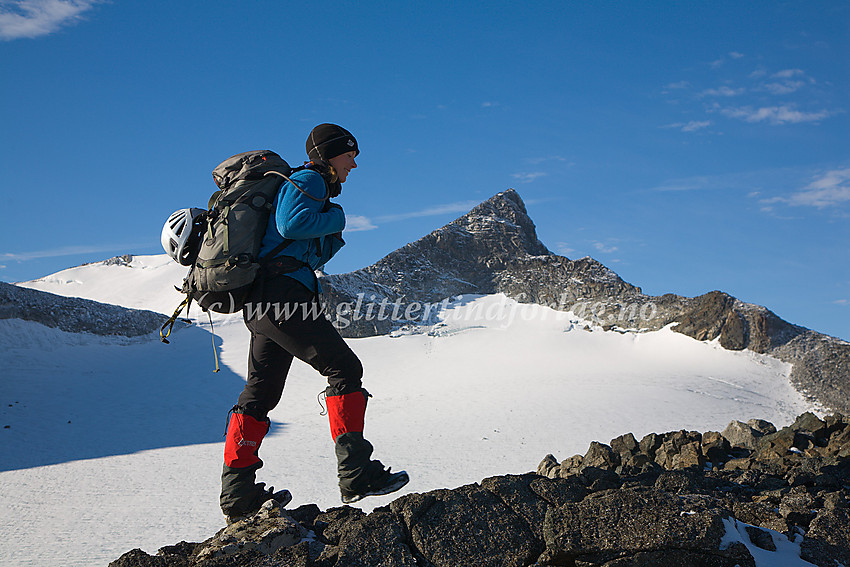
(313, 224)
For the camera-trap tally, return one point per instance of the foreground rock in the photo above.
(747, 497)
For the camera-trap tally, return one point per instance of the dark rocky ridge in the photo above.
(494, 249)
(74, 314)
(671, 499)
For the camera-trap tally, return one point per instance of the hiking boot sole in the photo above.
(398, 480)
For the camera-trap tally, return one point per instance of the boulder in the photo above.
(797, 507)
(761, 538)
(811, 424)
(762, 426)
(760, 514)
(607, 526)
(597, 479)
(548, 467)
(637, 464)
(267, 531)
(650, 444)
(740, 434)
(828, 540)
(376, 538)
(466, 526)
(689, 456)
(625, 445)
(715, 448)
(601, 456)
(775, 445)
(571, 466)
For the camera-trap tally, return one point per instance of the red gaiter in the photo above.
(244, 435)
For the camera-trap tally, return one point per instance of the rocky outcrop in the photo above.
(670, 499)
(75, 315)
(494, 249)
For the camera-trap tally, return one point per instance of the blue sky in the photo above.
(688, 146)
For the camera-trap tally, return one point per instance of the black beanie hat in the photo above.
(328, 141)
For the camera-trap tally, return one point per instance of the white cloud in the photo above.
(67, 251)
(539, 160)
(735, 55)
(842, 301)
(695, 125)
(691, 126)
(34, 18)
(459, 207)
(788, 73)
(528, 177)
(716, 64)
(742, 182)
(785, 87)
(774, 114)
(604, 248)
(829, 190)
(356, 223)
(563, 248)
(723, 91)
(679, 85)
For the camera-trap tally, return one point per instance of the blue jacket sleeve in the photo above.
(330, 246)
(299, 217)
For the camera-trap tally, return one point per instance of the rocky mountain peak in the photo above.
(461, 257)
(502, 225)
(487, 238)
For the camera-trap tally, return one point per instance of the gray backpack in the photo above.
(227, 263)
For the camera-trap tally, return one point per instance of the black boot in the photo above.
(242, 497)
(359, 476)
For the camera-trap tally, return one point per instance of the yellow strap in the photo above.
(163, 334)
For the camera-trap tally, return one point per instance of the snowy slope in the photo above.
(146, 282)
(115, 445)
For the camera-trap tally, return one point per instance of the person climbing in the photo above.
(309, 225)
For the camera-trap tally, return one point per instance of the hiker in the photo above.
(303, 216)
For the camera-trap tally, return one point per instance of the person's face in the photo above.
(343, 163)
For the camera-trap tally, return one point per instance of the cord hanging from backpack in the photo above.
(163, 334)
(323, 199)
(212, 334)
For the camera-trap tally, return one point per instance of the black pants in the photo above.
(286, 321)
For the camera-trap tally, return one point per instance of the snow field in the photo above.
(473, 396)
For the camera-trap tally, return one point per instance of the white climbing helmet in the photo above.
(181, 233)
